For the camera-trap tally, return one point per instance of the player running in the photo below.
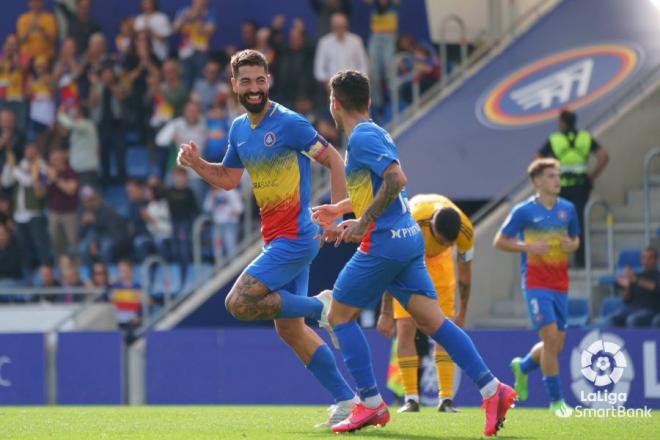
(443, 225)
(390, 258)
(545, 230)
(275, 145)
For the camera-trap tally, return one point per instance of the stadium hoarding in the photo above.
(22, 369)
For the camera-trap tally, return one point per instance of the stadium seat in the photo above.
(137, 162)
(631, 258)
(115, 196)
(578, 312)
(609, 306)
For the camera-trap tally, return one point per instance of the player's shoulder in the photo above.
(368, 133)
(285, 116)
(565, 204)
(525, 205)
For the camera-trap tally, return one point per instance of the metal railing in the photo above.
(444, 64)
(609, 223)
(395, 87)
(649, 183)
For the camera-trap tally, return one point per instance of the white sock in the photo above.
(489, 390)
(408, 397)
(373, 401)
(349, 402)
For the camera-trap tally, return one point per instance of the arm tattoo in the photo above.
(389, 190)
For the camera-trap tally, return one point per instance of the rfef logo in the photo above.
(572, 79)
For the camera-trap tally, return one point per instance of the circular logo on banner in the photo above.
(269, 139)
(573, 79)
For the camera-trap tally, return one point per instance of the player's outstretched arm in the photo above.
(331, 159)
(214, 174)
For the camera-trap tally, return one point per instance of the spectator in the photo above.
(190, 127)
(28, 179)
(62, 203)
(382, 47)
(183, 211)
(103, 232)
(226, 208)
(95, 58)
(66, 73)
(12, 141)
(137, 66)
(11, 274)
(295, 69)
(6, 214)
(339, 50)
(80, 26)
(421, 65)
(47, 279)
(37, 31)
(126, 294)
(324, 10)
(264, 46)
(42, 100)
(641, 293)
(84, 144)
(137, 228)
(158, 26)
(572, 148)
(70, 279)
(124, 39)
(157, 218)
(99, 277)
(167, 97)
(106, 102)
(13, 76)
(196, 24)
(249, 34)
(217, 130)
(206, 89)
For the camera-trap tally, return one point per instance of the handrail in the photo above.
(646, 176)
(395, 87)
(609, 221)
(444, 65)
(58, 291)
(623, 96)
(197, 230)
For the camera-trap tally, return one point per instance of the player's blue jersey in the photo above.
(276, 154)
(394, 234)
(531, 221)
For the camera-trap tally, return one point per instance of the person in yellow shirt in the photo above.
(444, 226)
(36, 31)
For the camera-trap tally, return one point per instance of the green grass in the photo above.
(296, 422)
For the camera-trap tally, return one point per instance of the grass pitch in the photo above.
(297, 422)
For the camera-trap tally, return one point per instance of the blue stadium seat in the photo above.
(137, 162)
(629, 257)
(115, 196)
(578, 312)
(609, 306)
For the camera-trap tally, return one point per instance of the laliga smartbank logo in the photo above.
(602, 372)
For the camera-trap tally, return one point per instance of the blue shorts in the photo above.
(284, 264)
(363, 280)
(546, 307)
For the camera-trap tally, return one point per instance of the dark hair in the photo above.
(247, 57)
(569, 118)
(126, 261)
(351, 89)
(447, 222)
(134, 181)
(652, 250)
(537, 166)
(83, 110)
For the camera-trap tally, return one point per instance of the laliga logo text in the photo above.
(602, 372)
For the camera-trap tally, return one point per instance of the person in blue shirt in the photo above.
(545, 230)
(276, 146)
(390, 258)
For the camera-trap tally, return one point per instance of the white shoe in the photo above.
(338, 412)
(326, 298)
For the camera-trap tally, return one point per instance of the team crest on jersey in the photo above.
(269, 139)
(573, 79)
(563, 215)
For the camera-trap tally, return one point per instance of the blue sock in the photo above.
(296, 306)
(553, 386)
(357, 357)
(463, 352)
(324, 368)
(528, 364)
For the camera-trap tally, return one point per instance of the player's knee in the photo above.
(233, 306)
(552, 345)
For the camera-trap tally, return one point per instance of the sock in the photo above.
(296, 306)
(409, 366)
(528, 364)
(444, 368)
(324, 368)
(553, 386)
(462, 351)
(357, 357)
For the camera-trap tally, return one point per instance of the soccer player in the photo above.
(443, 225)
(545, 230)
(390, 258)
(275, 145)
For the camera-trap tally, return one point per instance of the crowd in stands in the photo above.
(74, 100)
